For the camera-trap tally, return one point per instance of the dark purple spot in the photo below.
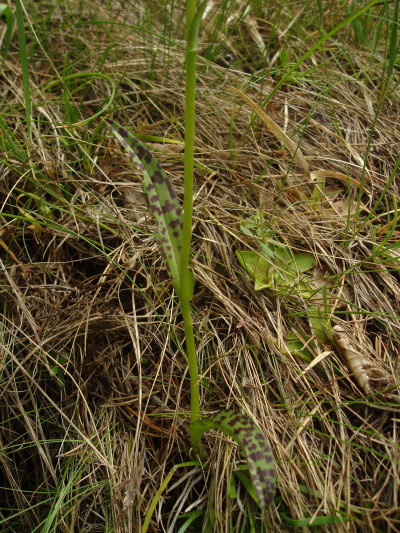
(174, 223)
(140, 151)
(158, 177)
(256, 456)
(155, 209)
(123, 133)
(168, 207)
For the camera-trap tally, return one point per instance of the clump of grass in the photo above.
(93, 401)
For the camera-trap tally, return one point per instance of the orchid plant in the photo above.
(173, 236)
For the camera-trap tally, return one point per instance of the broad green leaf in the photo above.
(303, 262)
(279, 272)
(253, 445)
(275, 266)
(257, 267)
(160, 198)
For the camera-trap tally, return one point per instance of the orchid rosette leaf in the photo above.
(161, 200)
(253, 444)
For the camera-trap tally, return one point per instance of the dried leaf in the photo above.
(367, 371)
(287, 142)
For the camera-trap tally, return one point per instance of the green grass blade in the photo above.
(163, 486)
(6, 11)
(393, 45)
(24, 62)
(252, 443)
(161, 200)
(9, 144)
(318, 45)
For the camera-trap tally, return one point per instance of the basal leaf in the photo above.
(303, 261)
(277, 268)
(160, 198)
(257, 267)
(252, 443)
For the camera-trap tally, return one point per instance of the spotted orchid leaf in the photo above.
(161, 200)
(253, 444)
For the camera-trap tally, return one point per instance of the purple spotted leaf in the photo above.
(161, 200)
(253, 444)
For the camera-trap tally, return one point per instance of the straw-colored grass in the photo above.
(94, 390)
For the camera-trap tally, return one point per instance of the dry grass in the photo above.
(85, 297)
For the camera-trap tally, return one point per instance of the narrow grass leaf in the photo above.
(5, 11)
(393, 44)
(9, 144)
(252, 443)
(24, 62)
(243, 476)
(161, 200)
(161, 489)
(192, 517)
(314, 521)
(318, 44)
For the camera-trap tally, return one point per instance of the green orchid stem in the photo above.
(193, 372)
(193, 18)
